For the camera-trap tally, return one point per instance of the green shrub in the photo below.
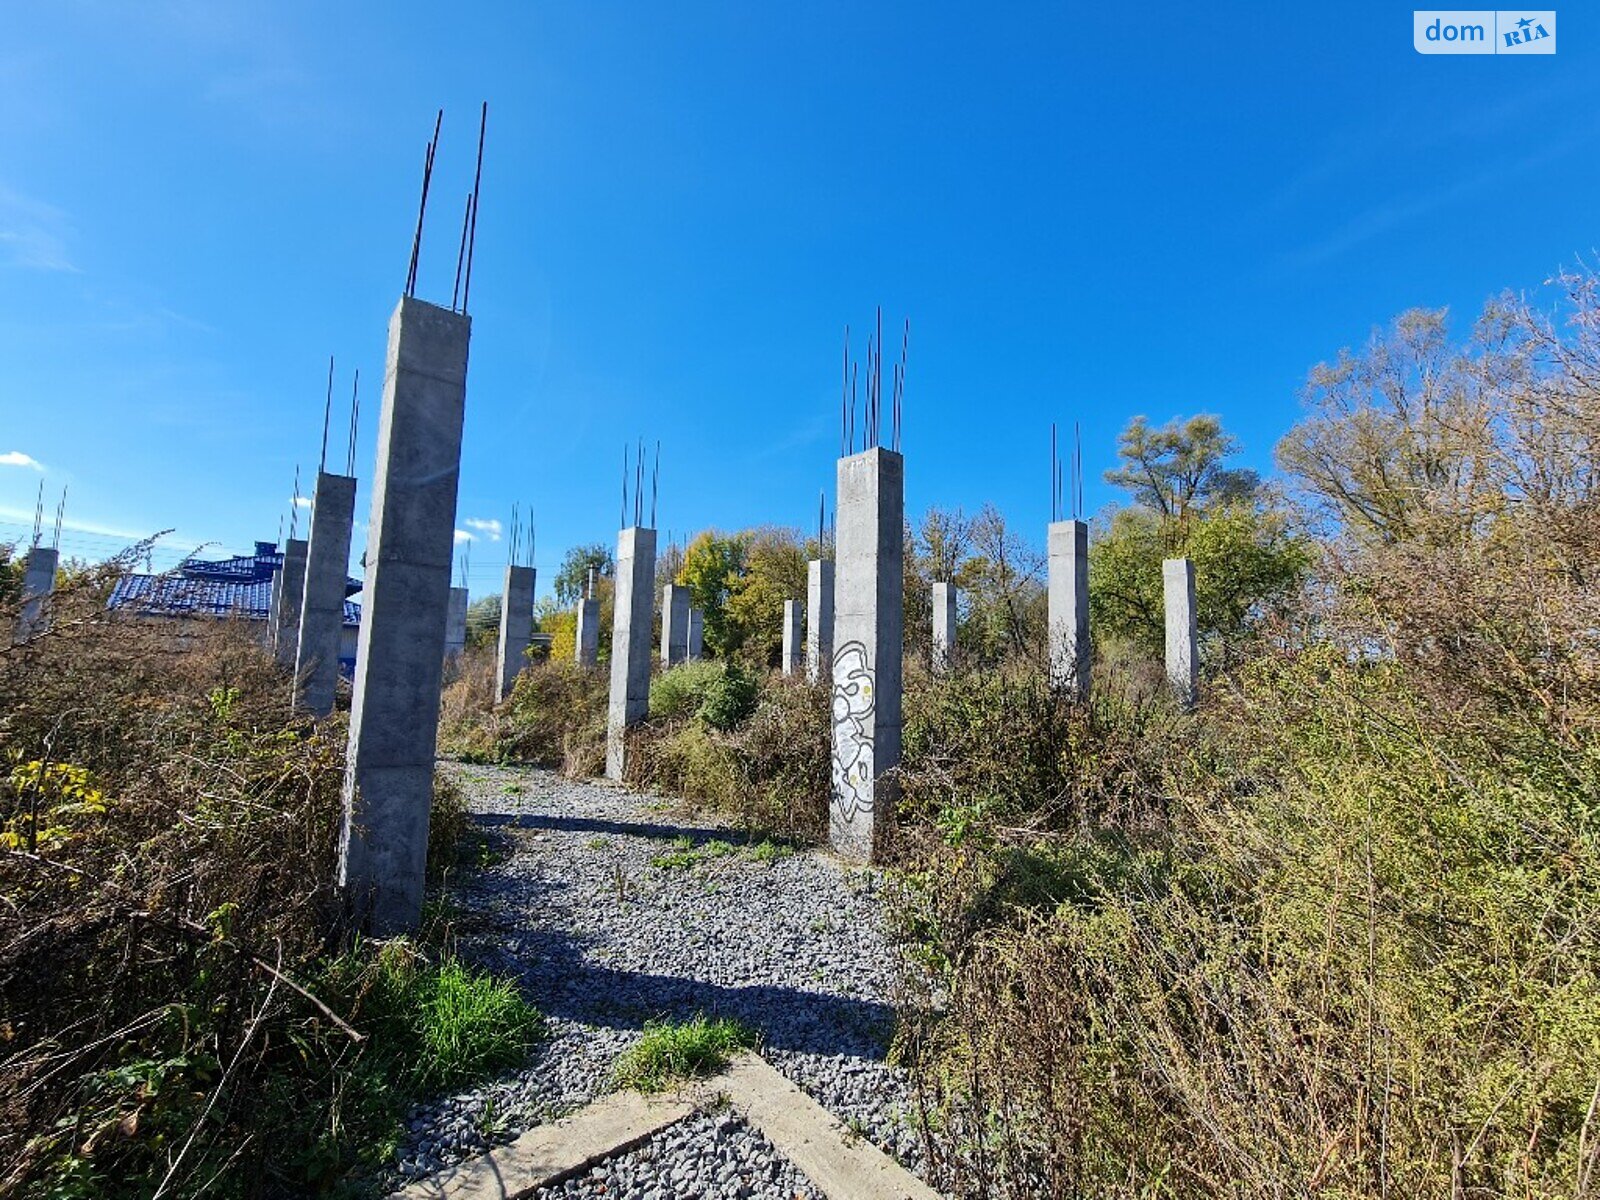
(680, 691)
(729, 698)
(553, 707)
(675, 1050)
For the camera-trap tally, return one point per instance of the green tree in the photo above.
(1179, 466)
(774, 571)
(712, 565)
(483, 621)
(573, 577)
(1188, 503)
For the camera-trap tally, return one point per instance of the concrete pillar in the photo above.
(516, 626)
(944, 626)
(316, 661)
(674, 624)
(394, 714)
(869, 644)
(630, 642)
(1070, 649)
(455, 624)
(793, 637)
(1183, 658)
(819, 618)
(587, 638)
(697, 634)
(38, 583)
(288, 590)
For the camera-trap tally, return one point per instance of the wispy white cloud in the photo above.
(33, 235)
(489, 527)
(463, 536)
(16, 458)
(300, 501)
(24, 518)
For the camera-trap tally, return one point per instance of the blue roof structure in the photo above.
(231, 587)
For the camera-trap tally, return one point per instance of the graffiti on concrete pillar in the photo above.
(853, 703)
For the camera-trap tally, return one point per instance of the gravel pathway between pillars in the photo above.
(613, 911)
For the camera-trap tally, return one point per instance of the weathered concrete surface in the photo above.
(455, 624)
(819, 618)
(674, 624)
(845, 1165)
(868, 651)
(697, 634)
(516, 626)
(945, 596)
(316, 660)
(1183, 656)
(1071, 652)
(586, 641)
(832, 1156)
(794, 616)
(394, 715)
(288, 590)
(630, 642)
(548, 1154)
(38, 585)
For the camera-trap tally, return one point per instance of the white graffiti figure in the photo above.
(852, 732)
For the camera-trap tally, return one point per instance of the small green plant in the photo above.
(674, 1050)
(768, 851)
(597, 843)
(512, 789)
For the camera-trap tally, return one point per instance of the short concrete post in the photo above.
(630, 642)
(586, 639)
(516, 627)
(38, 584)
(1068, 606)
(944, 626)
(869, 645)
(819, 618)
(674, 624)
(316, 661)
(394, 713)
(1183, 659)
(697, 635)
(793, 637)
(288, 590)
(455, 625)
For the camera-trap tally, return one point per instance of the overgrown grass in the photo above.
(176, 1011)
(669, 1051)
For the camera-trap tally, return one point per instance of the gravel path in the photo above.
(612, 912)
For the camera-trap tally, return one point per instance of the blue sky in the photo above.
(1087, 213)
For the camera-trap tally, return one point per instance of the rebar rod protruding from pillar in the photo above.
(355, 423)
(472, 228)
(61, 512)
(422, 207)
(327, 412)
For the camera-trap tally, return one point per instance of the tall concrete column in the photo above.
(944, 626)
(630, 642)
(516, 626)
(869, 645)
(455, 624)
(587, 638)
(697, 634)
(793, 637)
(819, 618)
(394, 714)
(674, 624)
(38, 584)
(288, 590)
(1070, 649)
(1183, 657)
(316, 661)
